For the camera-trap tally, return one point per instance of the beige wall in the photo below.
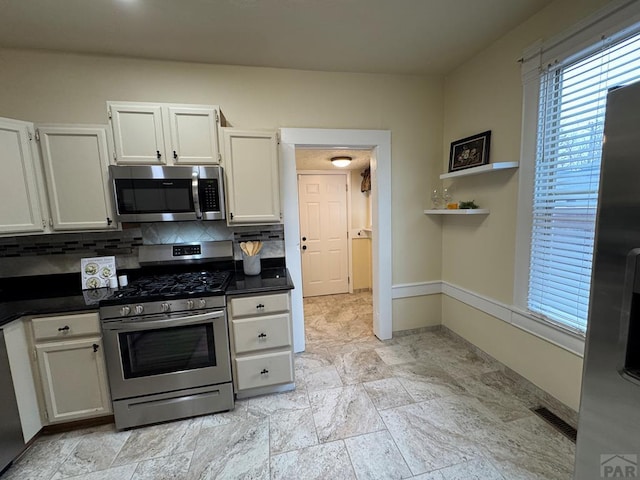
(361, 247)
(416, 312)
(361, 260)
(478, 253)
(360, 203)
(52, 87)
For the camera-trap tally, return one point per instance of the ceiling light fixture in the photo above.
(342, 161)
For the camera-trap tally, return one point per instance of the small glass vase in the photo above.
(436, 199)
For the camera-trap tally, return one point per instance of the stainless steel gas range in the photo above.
(165, 336)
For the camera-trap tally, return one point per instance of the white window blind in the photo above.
(567, 174)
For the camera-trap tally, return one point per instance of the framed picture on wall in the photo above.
(470, 152)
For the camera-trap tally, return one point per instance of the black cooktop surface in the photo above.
(172, 285)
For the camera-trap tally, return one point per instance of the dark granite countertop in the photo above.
(269, 280)
(47, 294)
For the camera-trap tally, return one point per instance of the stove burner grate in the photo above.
(176, 284)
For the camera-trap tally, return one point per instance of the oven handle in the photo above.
(136, 325)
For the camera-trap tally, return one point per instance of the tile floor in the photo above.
(419, 406)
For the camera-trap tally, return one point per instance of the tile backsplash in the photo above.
(123, 242)
(61, 253)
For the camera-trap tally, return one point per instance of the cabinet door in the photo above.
(22, 374)
(257, 371)
(259, 304)
(20, 207)
(137, 133)
(194, 135)
(76, 160)
(253, 186)
(261, 333)
(73, 378)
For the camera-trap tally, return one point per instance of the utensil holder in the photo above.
(251, 264)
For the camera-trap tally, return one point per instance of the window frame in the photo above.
(592, 34)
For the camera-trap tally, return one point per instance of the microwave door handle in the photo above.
(196, 194)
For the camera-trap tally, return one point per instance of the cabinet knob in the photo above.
(109, 221)
(304, 247)
(95, 347)
(158, 154)
(64, 329)
(259, 306)
(262, 335)
(304, 239)
(175, 155)
(264, 371)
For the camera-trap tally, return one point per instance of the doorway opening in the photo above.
(378, 142)
(335, 221)
(335, 226)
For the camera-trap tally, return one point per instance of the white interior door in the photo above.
(323, 234)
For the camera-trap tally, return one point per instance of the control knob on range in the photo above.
(190, 305)
(203, 303)
(139, 309)
(124, 311)
(165, 307)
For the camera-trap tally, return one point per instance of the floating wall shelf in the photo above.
(490, 167)
(459, 211)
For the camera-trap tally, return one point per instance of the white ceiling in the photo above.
(320, 159)
(376, 36)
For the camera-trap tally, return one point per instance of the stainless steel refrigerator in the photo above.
(608, 443)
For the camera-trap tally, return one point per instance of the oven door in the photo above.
(163, 353)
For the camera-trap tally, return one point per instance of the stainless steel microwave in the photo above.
(158, 194)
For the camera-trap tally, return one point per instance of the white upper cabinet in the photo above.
(76, 160)
(137, 133)
(194, 135)
(20, 205)
(164, 134)
(253, 182)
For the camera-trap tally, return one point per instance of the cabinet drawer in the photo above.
(264, 370)
(261, 333)
(259, 304)
(65, 326)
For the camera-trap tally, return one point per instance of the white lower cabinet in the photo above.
(263, 370)
(70, 367)
(261, 344)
